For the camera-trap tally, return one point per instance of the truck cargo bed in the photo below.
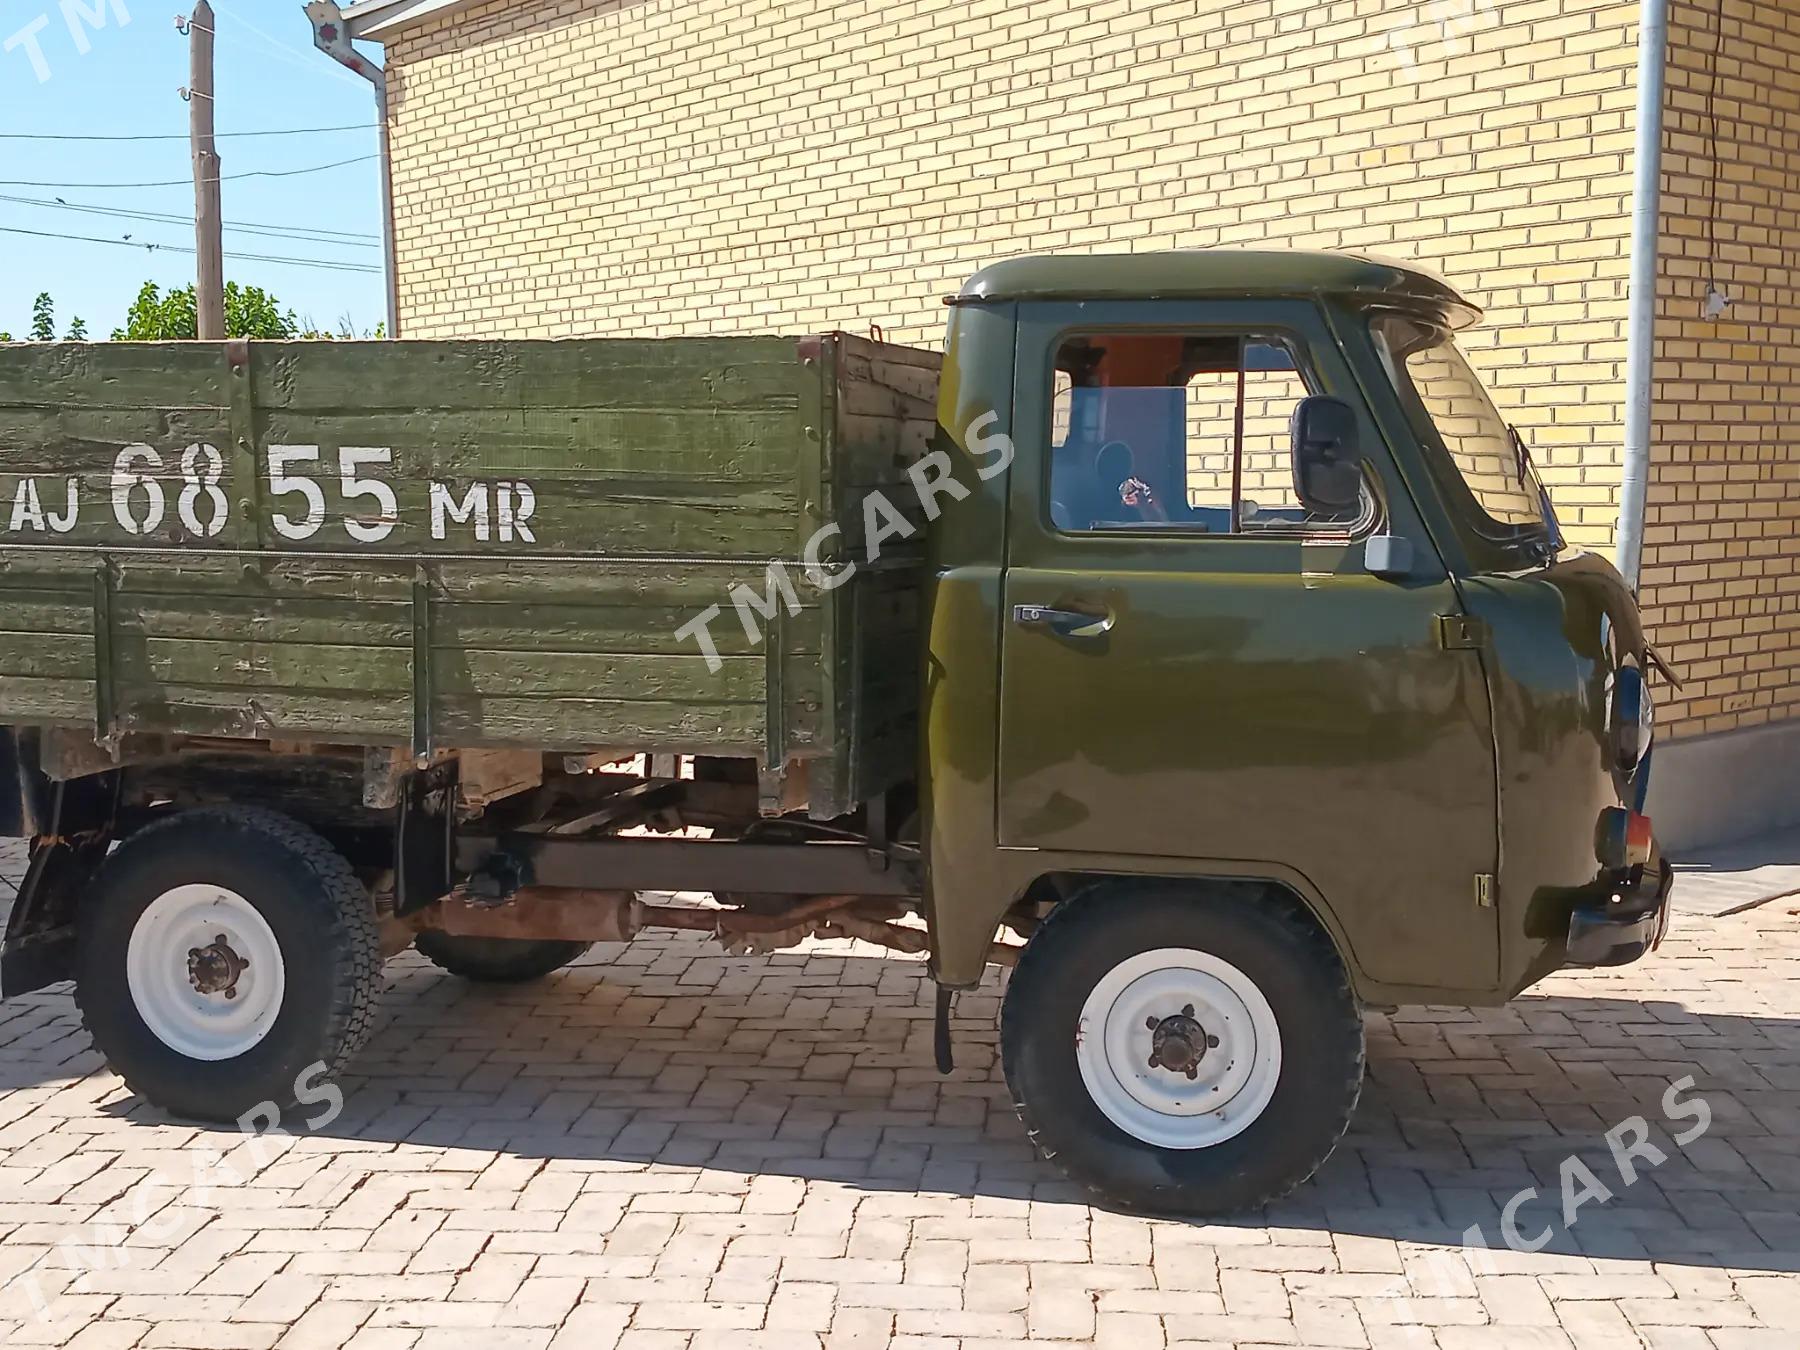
(463, 544)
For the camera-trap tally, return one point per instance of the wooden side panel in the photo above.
(304, 539)
(46, 640)
(571, 649)
(884, 417)
(47, 672)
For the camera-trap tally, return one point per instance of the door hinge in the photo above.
(1460, 632)
(1484, 889)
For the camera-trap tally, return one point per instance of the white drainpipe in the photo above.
(1646, 228)
(332, 36)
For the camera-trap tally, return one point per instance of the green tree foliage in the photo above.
(43, 318)
(250, 312)
(154, 317)
(253, 313)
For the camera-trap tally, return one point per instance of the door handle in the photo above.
(1067, 623)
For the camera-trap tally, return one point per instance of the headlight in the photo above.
(1630, 716)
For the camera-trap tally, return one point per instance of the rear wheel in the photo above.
(498, 960)
(226, 960)
(1185, 1051)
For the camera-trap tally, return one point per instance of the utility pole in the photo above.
(209, 247)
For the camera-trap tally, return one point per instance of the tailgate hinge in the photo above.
(1461, 632)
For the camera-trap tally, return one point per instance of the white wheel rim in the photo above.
(184, 973)
(1234, 1078)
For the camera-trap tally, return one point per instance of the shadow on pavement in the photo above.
(819, 1066)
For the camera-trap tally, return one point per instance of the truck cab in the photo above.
(1271, 608)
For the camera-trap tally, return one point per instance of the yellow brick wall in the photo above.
(671, 166)
(1722, 539)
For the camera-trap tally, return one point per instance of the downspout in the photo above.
(332, 36)
(1646, 231)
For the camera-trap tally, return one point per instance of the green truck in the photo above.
(1191, 635)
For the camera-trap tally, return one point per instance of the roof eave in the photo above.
(377, 20)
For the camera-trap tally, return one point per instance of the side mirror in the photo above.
(1327, 458)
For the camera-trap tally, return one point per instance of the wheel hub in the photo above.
(205, 972)
(214, 969)
(1179, 1043)
(1210, 1062)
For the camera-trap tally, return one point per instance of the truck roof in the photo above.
(1212, 272)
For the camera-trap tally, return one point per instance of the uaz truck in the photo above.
(1191, 635)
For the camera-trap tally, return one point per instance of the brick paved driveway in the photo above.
(672, 1148)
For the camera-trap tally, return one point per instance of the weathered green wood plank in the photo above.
(276, 667)
(25, 569)
(48, 656)
(313, 620)
(128, 375)
(679, 443)
(323, 714)
(28, 612)
(59, 439)
(675, 585)
(30, 699)
(879, 450)
(213, 575)
(647, 629)
(725, 373)
(628, 678)
(588, 723)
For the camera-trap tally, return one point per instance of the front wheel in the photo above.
(227, 963)
(1182, 1050)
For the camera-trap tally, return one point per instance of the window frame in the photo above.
(1423, 428)
(1366, 524)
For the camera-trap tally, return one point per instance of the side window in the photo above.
(1178, 431)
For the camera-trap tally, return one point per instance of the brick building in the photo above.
(566, 167)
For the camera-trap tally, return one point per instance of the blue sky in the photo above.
(269, 78)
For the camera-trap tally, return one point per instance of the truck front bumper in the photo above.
(1627, 923)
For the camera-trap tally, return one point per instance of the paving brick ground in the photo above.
(1730, 877)
(672, 1148)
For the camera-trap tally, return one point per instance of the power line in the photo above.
(182, 136)
(312, 234)
(177, 248)
(184, 182)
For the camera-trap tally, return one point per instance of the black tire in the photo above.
(1271, 941)
(498, 960)
(321, 917)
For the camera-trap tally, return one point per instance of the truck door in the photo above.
(1195, 669)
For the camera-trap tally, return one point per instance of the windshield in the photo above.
(1450, 409)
